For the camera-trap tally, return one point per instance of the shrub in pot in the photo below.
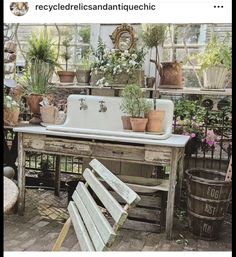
(66, 76)
(215, 63)
(136, 106)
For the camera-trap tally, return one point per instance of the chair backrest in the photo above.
(92, 228)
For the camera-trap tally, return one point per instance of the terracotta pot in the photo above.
(138, 124)
(155, 121)
(126, 122)
(83, 76)
(33, 101)
(49, 114)
(66, 76)
(171, 75)
(11, 116)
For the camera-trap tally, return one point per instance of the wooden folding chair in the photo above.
(92, 228)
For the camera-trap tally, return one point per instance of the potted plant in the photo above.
(136, 106)
(41, 60)
(84, 33)
(65, 75)
(153, 36)
(83, 69)
(11, 111)
(215, 63)
(116, 67)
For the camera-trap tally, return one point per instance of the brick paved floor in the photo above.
(45, 214)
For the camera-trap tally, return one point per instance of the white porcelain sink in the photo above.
(91, 121)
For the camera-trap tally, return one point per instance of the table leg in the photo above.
(171, 193)
(180, 175)
(21, 175)
(58, 176)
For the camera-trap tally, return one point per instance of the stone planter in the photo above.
(215, 78)
(133, 77)
(49, 114)
(82, 76)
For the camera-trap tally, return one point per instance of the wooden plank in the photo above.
(113, 207)
(228, 176)
(142, 226)
(171, 193)
(62, 235)
(80, 230)
(103, 226)
(144, 214)
(146, 201)
(89, 223)
(116, 184)
(21, 175)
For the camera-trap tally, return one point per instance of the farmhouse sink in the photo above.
(85, 116)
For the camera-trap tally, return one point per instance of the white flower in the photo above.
(126, 53)
(106, 84)
(134, 56)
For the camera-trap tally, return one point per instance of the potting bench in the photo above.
(168, 152)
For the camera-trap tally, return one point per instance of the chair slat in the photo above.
(106, 231)
(90, 226)
(116, 184)
(113, 207)
(80, 230)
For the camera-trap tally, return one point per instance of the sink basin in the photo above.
(91, 121)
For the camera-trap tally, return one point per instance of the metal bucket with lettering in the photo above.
(208, 199)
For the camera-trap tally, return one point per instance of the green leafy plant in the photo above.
(66, 43)
(216, 53)
(84, 63)
(133, 102)
(84, 33)
(41, 47)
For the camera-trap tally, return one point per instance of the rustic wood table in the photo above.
(169, 152)
(11, 193)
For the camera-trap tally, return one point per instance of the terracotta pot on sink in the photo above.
(126, 122)
(33, 101)
(138, 124)
(155, 121)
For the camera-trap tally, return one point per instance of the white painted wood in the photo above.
(172, 141)
(112, 206)
(89, 223)
(116, 184)
(103, 226)
(80, 230)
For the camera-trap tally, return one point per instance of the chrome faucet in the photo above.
(103, 107)
(83, 105)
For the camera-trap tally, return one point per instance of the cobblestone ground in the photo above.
(45, 214)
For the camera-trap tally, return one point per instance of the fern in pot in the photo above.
(135, 106)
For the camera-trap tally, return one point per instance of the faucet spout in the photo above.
(103, 107)
(83, 105)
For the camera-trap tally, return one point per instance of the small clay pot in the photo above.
(155, 121)
(138, 124)
(33, 101)
(66, 76)
(126, 122)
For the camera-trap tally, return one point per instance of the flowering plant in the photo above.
(10, 103)
(113, 62)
